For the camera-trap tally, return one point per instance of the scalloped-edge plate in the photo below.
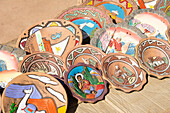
(87, 54)
(116, 9)
(123, 72)
(88, 18)
(117, 38)
(6, 76)
(150, 22)
(86, 83)
(153, 55)
(34, 92)
(43, 62)
(49, 23)
(7, 61)
(168, 33)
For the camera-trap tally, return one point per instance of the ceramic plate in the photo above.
(34, 92)
(168, 33)
(43, 62)
(7, 76)
(154, 56)
(163, 5)
(123, 72)
(116, 9)
(56, 40)
(84, 54)
(117, 38)
(89, 19)
(7, 61)
(50, 23)
(150, 22)
(85, 83)
(18, 53)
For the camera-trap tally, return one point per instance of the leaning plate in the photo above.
(154, 56)
(85, 83)
(151, 22)
(6, 76)
(84, 54)
(34, 92)
(123, 72)
(49, 23)
(117, 38)
(43, 62)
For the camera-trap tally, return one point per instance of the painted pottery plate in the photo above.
(7, 61)
(89, 19)
(56, 40)
(43, 62)
(0, 102)
(154, 56)
(34, 92)
(117, 38)
(163, 5)
(123, 72)
(168, 33)
(7, 76)
(18, 53)
(84, 54)
(85, 83)
(50, 23)
(116, 9)
(150, 22)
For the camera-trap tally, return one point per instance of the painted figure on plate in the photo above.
(86, 82)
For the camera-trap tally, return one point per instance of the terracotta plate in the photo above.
(0, 102)
(43, 62)
(32, 92)
(7, 76)
(154, 56)
(18, 53)
(163, 5)
(89, 19)
(85, 83)
(168, 33)
(117, 38)
(7, 61)
(116, 9)
(56, 40)
(49, 23)
(150, 22)
(84, 54)
(123, 72)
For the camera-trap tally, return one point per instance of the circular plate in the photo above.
(43, 62)
(18, 53)
(117, 38)
(116, 9)
(150, 22)
(163, 5)
(89, 19)
(49, 23)
(34, 92)
(85, 83)
(56, 40)
(84, 54)
(0, 102)
(7, 76)
(154, 56)
(123, 72)
(7, 61)
(168, 33)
